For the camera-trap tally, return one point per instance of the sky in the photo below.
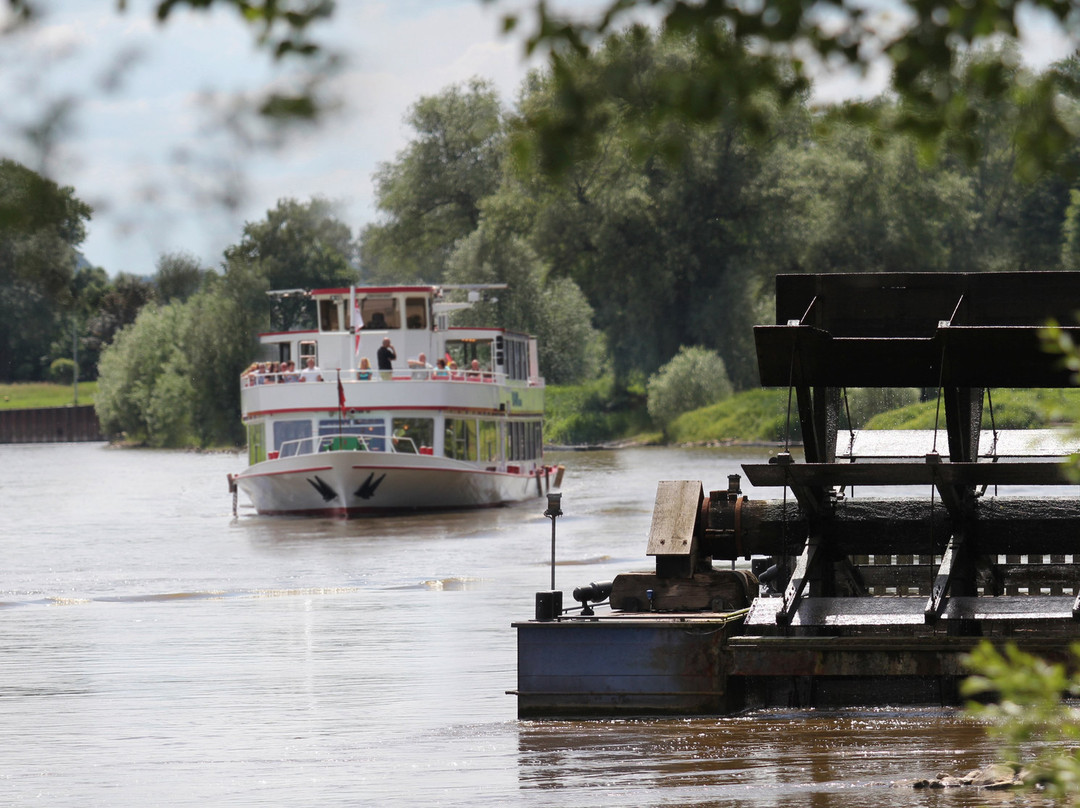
(135, 102)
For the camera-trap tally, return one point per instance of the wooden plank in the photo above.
(678, 503)
(949, 561)
(804, 568)
(973, 356)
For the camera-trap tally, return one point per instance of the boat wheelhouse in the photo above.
(456, 421)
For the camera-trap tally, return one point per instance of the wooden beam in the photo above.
(803, 570)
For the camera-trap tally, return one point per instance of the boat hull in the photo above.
(358, 483)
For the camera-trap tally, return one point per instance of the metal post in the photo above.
(553, 512)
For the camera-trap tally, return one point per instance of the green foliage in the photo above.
(41, 224)
(34, 395)
(1011, 409)
(753, 54)
(178, 277)
(432, 194)
(694, 378)
(62, 371)
(679, 250)
(120, 304)
(300, 245)
(142, 358)
(862, 404)
(555, 311)
(171, 378)
(751, 416)
(1022, 700)
(594, 412)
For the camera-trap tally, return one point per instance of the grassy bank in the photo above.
(31, 395)
(595, 414)
(761, 415)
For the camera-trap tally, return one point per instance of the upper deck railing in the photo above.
(254, 378)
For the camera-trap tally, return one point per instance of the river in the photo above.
(158, 651)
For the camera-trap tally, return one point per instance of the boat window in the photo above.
(460, 439)
(372, 430)
(464, 351)
(526, 440)
(416, 311)
(329, 315)
(308, 348)
(419, 431)
(380, 313)
(284, 352)
(516, 359)
(294, 433)
(489, 441)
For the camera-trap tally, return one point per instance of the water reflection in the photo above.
(769, 758)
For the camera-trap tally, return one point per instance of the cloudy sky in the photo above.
(133, 106)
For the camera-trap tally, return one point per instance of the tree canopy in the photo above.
(755, 54)
(41, 225)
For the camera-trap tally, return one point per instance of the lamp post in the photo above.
(549, 604)
(553, 512)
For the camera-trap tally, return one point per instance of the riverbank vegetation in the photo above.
(34, 395)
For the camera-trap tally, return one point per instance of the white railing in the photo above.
(398, 375)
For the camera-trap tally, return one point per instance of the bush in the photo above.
(694, 378)
(593, 412)
(62, 371)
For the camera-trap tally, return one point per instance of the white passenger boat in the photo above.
(455, 422)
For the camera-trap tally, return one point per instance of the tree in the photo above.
(120, 305)
(172, 377)
(143, 385)
(753, 53)
(431, 194)
(554, 310)
(41, 224)
(664, 241)
(178, 277)
(298, 246)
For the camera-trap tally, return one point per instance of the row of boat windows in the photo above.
(375, 313)
(463, 438)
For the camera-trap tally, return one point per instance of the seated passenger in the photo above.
(311, 372)
(441, 371)
(420, 367)
(378, 322)
(364, 373)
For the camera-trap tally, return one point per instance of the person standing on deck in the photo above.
(385, 357)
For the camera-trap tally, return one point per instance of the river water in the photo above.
(155, 650)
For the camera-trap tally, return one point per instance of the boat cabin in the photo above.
(483, 403)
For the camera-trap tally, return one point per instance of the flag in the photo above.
(340, 393)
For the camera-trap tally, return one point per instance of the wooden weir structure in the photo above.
(968, 531)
